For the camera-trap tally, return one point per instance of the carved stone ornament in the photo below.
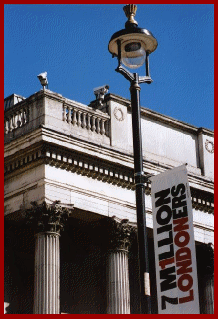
(47, 217)
(205, 253)
(209, 145)
(210, 259)
(119, 234)
(118, 113)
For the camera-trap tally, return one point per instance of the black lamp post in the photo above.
(132, 47)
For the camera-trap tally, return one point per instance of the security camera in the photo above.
(101, 90)
(100, 93)
(43, 79)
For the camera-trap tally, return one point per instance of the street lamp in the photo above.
(132, 47)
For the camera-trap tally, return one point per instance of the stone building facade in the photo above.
(70, 216)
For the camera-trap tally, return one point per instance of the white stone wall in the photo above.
(120, 127)
(89, 194)
(166, 144)
(23, 188)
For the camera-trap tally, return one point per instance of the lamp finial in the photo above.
(130, 12)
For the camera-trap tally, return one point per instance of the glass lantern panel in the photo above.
(133, 55)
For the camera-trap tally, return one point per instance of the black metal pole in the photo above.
(140, 197)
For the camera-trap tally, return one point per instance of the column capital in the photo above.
(206, 260)
(209, 254)
(47, 217)
(118, 234)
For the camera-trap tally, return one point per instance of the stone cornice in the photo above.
(117, 99)
(202, 130)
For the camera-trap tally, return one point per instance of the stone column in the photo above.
(208, 279)
(48, 220)
(209, 295)
(118, 291)
(47, 274)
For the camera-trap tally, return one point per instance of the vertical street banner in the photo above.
(175, 257)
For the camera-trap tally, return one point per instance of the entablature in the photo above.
(100, 164)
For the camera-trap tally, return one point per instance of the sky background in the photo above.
(70, 42)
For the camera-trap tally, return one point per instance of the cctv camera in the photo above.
(101, 90)
(43, 79)
(100, 94)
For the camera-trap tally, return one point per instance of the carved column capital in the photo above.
(209, 255)
(205, 257)
(47, 217)
(118, 234)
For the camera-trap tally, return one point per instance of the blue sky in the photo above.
(70, 42)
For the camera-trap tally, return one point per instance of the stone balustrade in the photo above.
(51, 110)
(15, 118)
(86, 118)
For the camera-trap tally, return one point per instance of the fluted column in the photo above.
(48, 220)
(209, 294)
(47, 274)
(118, 283)
(208, 278)
(118, 291)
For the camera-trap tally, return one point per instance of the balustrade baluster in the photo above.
(10, 123)
(69, 114)
(98, 125)
(107, 128)
(19, 122)
(15, 120)
(102, 127)
(6, 126)
(93, 123)
(79, 119)
(23, 117)
(27, 115)
(84, 120)
(64, 113)
(74, 117)
(20, 117)
(88, 122)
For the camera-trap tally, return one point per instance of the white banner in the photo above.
(175, 258)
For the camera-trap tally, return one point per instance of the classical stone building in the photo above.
(70, 216)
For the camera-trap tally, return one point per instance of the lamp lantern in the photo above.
(132, 45)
